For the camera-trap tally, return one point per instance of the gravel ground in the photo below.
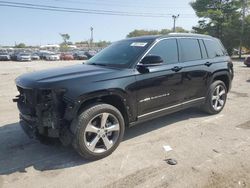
(211, 151)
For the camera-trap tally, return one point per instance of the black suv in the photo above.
(133, 80)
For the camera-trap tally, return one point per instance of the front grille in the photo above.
(41, 109)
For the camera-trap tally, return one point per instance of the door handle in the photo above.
(208, 64)
(176, 69)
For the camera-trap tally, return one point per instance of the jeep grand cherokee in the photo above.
(133, 80)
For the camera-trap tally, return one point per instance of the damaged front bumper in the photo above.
(28, 128)
(42, 112)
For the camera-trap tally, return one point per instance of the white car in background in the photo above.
(4, 56)
(23, 57)
(52, 57)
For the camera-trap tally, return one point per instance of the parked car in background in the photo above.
(13, 56)
(43, 55)
(66, 56)
(90, 53)
(80, 55)
(52, 57)
(237, 52)
(247, 61)
(35, 56)
(4, 56)
(23, 57)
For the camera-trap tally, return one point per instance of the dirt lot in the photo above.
(211, 151)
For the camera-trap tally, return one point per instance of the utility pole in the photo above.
(175, 17)
(244, 8)
(91, 37)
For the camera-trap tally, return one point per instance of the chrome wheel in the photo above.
(101, 133)
(219, 97)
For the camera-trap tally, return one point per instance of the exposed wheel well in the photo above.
(113, 100)
(223, 78)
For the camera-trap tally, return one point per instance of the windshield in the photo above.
(120, 54)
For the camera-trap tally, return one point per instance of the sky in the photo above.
(40, 27)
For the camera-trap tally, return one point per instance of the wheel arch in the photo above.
(223, 76)
(114, 97)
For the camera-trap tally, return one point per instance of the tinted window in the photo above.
(203, 49)
(214, 49)
(190, 49)
(167, 49)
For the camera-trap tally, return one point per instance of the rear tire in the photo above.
(98, 130)
(216, 98)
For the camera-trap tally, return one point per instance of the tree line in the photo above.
(137, 33)
(219, 18)
(224, 19)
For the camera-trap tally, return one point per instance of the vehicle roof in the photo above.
(154, 37)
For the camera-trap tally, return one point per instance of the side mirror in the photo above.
(151, 60)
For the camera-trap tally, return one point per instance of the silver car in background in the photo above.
(23, 57)
(4, 56)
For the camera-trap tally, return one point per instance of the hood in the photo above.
(58, 76)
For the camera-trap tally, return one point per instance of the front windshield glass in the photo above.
(120, 54)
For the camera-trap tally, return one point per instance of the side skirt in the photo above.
(168, 110)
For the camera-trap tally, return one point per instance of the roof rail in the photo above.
(189, 34)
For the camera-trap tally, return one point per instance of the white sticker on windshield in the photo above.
(139, 44)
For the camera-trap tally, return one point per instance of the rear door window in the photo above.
(190, 49)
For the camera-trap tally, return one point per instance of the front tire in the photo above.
(216, 98)
(98, 130)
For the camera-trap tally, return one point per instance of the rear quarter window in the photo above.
(214, 48)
